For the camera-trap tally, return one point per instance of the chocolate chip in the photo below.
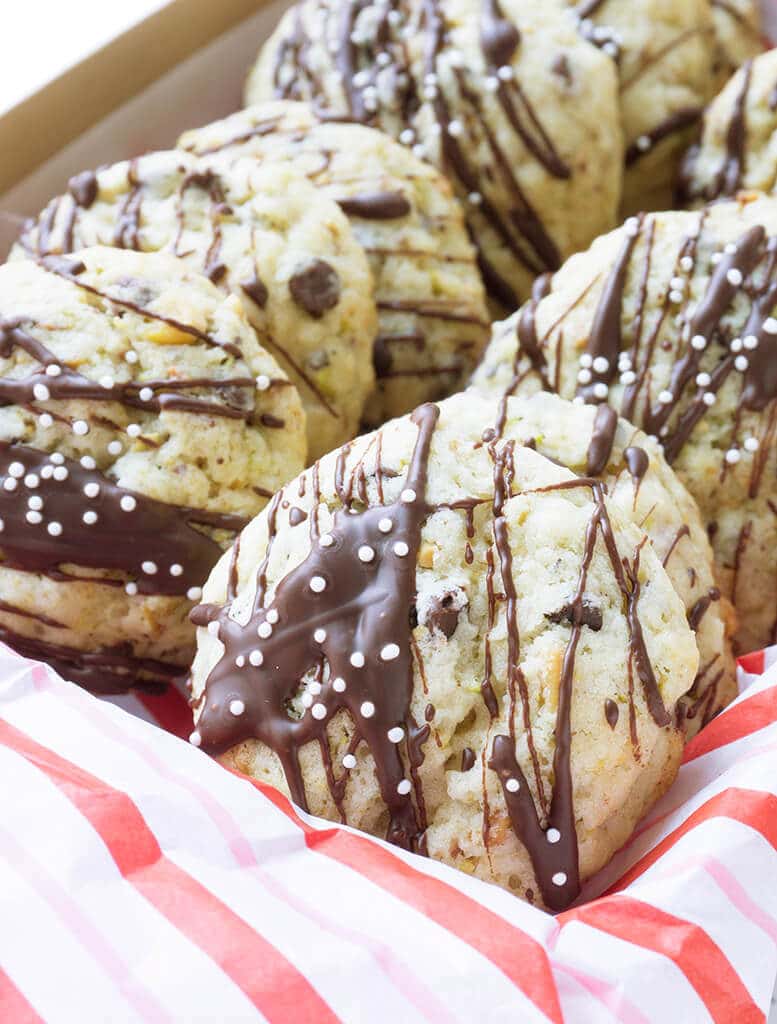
(584, 613)
(442, 612)
(315, 287)
(256, 290)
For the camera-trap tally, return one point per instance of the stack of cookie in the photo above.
(486, 629)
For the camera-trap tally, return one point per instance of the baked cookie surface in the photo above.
(669, 320)
(267, 235)
(432, 318)
(505, 98)
(439, 636)
(142, 425)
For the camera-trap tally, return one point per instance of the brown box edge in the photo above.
(60, 111)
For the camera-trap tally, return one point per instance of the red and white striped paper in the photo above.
(140, 881)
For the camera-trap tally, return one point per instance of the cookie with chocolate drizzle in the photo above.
(141, 426)
(266, 235)
(533, 152)
(393, 657)
(671, 320)
(432, 318)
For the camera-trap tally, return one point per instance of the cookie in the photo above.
(594, 442)
(669, 320)
(664, 51)
(265, 234)
(505, 98)
(432, 318)
(141, 426)
(441, 637)
(737, 25)
(738, 146)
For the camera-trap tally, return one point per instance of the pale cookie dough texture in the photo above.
(669, 319)
(738, 35)
(266, 235)
(432, 318)
(738, 147)
(443, 638)
(142, 425)
(506, 98)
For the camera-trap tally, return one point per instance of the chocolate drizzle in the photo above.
(362, 609)
(677, 121)
(83, 188)
(602, 438)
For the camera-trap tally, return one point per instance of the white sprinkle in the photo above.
(586, 360)
(88, 462)
(319, 636)
(741, 363)
(236, 707)
(475, 198)
(195, 739)
(678, 283)
(715, 258)
(214, 627)
(643, 143)
(553, 835)
(326, 540)
(133, 430)
(367, 709)
(456, 129)
(703, 380)
(318, 584)
(53, 370)
(492, 83)
(318, 711)
(46, 420)
(709, 398)
(256, 658)
(115, 447)
(628, 377)
(401, 549)
(9, 484)
(389, 652)
(366, 553)
(41, 392)
(272, 616)
(357, 659)
(394, 18)
(737, 344)
(675, 296)
(385, 525)
(631, 227)
(31, 481)
(734, 277)
(349, 761)
(730, 248)
(107, 382)
(149, 568)
(145, 394)
(770, 325)
(131, 589)
(57, 458)
(512, 785)
(665, 397)
(601, 364)
(89, 517)
(176, 569)
(16, 469)
(408, 496)
(559, 878)
(699, 342)
(240, 660)
(601, 390)
(505, 73)
(419, 151)
(307, 700)
(194, 593)
(80, 427)
(733, 455)
(91, 490)
(2, 525)
(60, 473)
(34, 518)
(338, 684)
(686, 263)
(47, 472)
(430, 92)
(127, 503)
(131, 356)
(750, 341)
(404, 787)
(396, 735)
(752, 444)
(54, 529)
(361, 78)
(264, 630)
(35, 503)
(262, 382)
(584, 377)
(383, 59)
(407, 137)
